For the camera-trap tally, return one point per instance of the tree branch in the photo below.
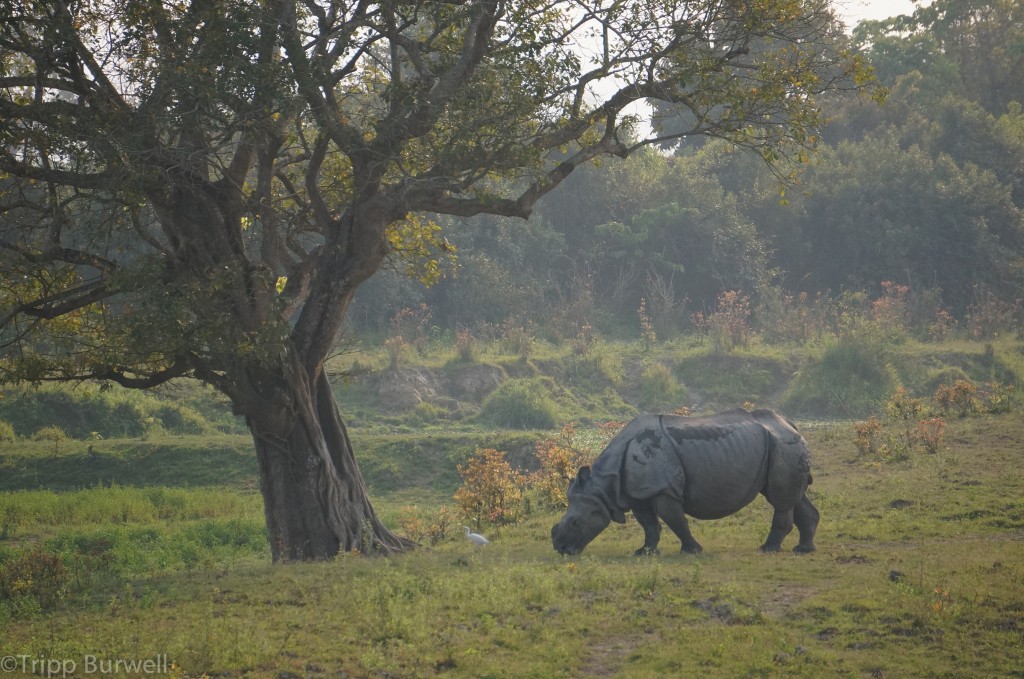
(64, 302)
(80, 180)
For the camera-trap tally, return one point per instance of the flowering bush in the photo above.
(559, 458)
(961, 396)
(491, 492)
(868, 433)
(425, 525)
(930, 433)
(892, 309)
(729, 326)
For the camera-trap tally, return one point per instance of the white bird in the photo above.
(477, 539)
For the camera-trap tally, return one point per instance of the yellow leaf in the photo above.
(281, 282)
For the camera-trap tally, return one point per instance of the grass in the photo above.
(88, 411)
(155, 544)
(917, 574)
(388, 462)
(843, 376)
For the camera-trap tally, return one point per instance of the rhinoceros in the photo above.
(709, 467)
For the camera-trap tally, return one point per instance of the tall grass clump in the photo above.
(523, 403)
(659, 387)
(851, 377)
(88, 411)
(598, 367)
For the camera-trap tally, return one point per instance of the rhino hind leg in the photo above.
(671, 511)
(805, 516)
(782, 524)
(648, 520)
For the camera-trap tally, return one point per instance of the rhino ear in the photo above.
(583, 475)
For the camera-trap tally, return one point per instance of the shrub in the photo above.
(395, 348)
(7, 434)
(35, 575)
(466, 347)
(961, 397)
(523, 403)
(413, 325)
(941, 326)
(425, 525)
(491, 491)
(892, 309)
(180, 419)
(787, 318)
(10, 519)
(990, 316)
(584, 340)
(906, 427)
(729, 326)
(517, 337)
(113, 412)
(50, 433)
(964, 397)
(559, 458)
(869, 433)
(996, 398)
(647, 335)
(930, 433)
(901, 407)
(904, 413)
(426, 413)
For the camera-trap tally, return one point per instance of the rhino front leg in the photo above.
(648, 520)
(782, 524)
(672, 512)
(805, 516)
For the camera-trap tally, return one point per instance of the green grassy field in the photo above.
(919, 573)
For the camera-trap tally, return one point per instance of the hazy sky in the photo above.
(858, 10)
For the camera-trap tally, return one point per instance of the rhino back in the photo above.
(724, 467)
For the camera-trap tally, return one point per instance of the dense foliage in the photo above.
(925, 191)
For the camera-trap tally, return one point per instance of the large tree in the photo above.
(196, 188)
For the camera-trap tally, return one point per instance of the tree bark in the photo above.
(315, 501)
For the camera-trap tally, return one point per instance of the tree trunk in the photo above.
(315, 501)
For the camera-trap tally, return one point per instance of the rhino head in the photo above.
(588, 514)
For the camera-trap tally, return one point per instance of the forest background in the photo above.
(921, 197)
